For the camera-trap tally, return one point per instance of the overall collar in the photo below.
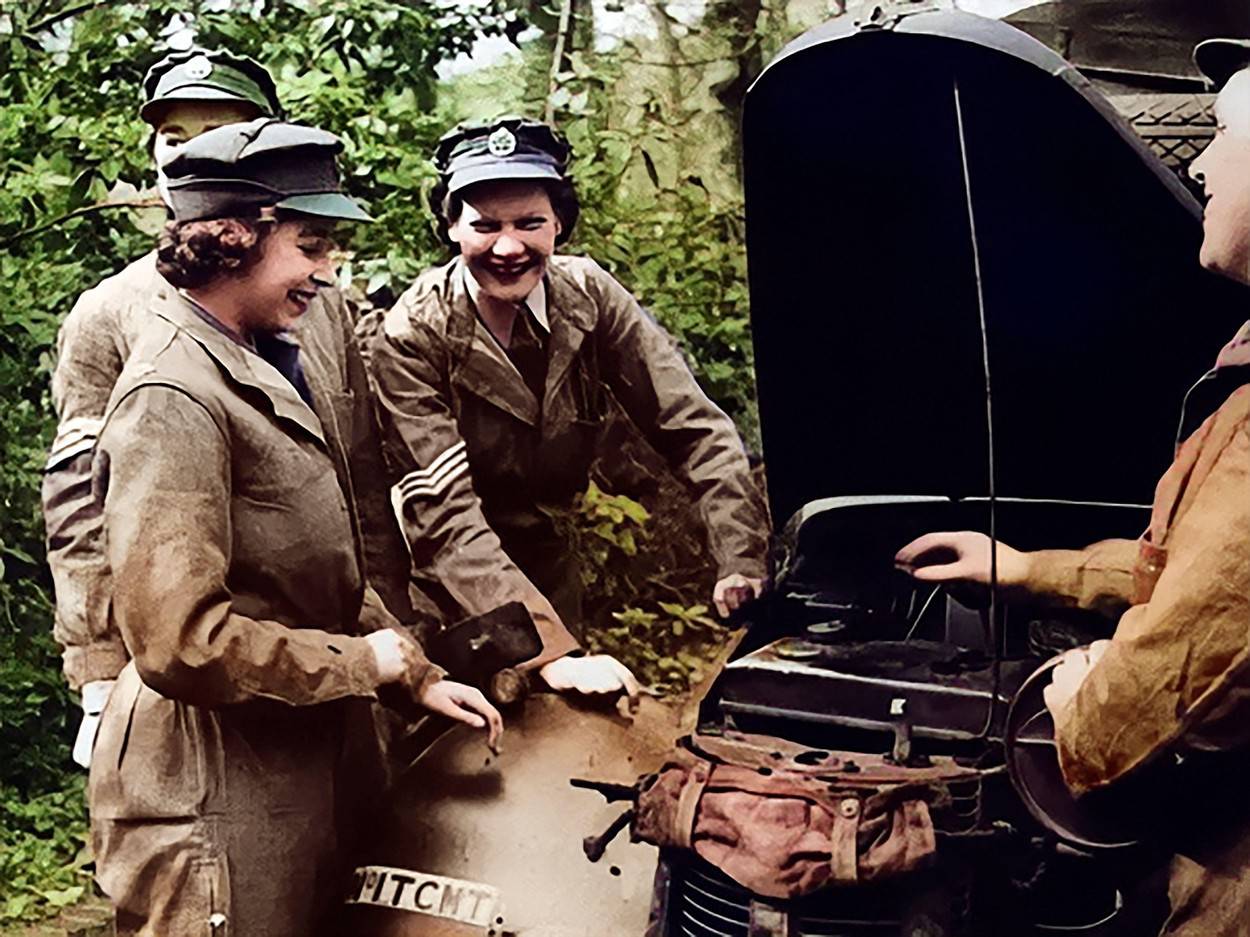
(535, 302)
(484, 368)
(1236, 354)
(236, 360)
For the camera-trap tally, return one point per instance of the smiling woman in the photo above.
(237, 747)
(193, 253)
(495, 375)
(286, 257)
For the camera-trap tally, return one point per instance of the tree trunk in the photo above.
(558, 57)
(671, 53)
(739, 21)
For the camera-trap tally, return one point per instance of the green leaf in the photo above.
(59, 898)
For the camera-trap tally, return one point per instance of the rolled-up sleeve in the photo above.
(1184, 654)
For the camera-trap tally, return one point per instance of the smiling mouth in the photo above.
(512, 271)
(301, 298)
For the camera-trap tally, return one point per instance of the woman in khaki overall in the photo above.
(1176, 674)
(494, 377)
(227, 769)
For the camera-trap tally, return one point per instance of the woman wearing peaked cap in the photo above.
(217, 786)
(1175, 677)
(493, 374)
(184, 95)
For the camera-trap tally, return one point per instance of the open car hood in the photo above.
(1152, 38)
(871, 157)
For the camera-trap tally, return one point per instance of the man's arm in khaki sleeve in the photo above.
(651, 380)
(163, 466)
(1098, 578)
(91, 649)
(1175, 658)
(434, 499)
(89, 361)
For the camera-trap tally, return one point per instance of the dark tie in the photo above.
(283, 354)
(528, 352)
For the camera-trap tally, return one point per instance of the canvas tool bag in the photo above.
(783, 820)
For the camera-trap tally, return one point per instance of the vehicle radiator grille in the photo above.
(704, 902)
(963, 813)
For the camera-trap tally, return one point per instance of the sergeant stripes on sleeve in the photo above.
(73, 437)
(435, 478)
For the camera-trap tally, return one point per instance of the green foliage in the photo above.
(34, 706)
(76, 197)
(628, 562)
(670, 649)
(43, 851)
(683, 257)
(661, 232)
(612, 522)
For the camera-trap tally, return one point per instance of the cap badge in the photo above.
(199, 67)
(501, 143)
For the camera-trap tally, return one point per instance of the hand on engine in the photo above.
(732, 592)
(960, 557)
(464, 704)
(597, 673)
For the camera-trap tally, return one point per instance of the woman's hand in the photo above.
(960, 557)
(1066, 679)
(597, 673)
(464, 704)
(732, 592)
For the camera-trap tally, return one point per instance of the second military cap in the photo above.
(505, 148)
(207, 75)
(1220, 59)
(240, 168)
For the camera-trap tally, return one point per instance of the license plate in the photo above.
(423, 893)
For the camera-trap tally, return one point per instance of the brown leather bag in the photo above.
(783, 827)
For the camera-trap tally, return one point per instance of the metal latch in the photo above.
(886, 14)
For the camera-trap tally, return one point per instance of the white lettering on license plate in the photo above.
(423, 893)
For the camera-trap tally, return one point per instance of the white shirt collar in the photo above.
(536, 301)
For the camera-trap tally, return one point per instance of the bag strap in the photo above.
(688, 803)
(843, 849)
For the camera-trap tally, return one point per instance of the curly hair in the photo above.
(194, 253)
(447, 206)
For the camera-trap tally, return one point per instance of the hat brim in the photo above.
(504, 169)
(154, 110)
(325, 205)
(1220, 59)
